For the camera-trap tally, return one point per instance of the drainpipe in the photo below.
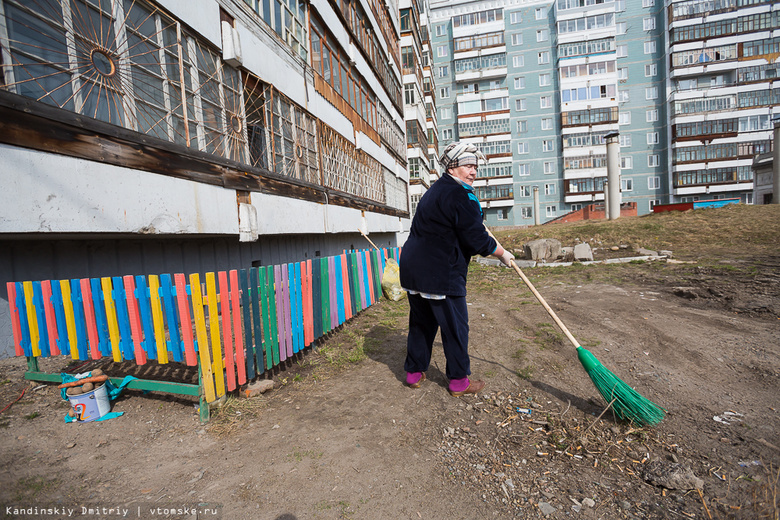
(537, 219)
(776, 165)
(613, 175)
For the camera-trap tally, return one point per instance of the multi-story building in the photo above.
(419, 98)
(722, 94)
(166, 136)
(539, 84)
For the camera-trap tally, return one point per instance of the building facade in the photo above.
(539, 84)
(154, 137)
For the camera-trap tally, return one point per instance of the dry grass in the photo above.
(740, 229)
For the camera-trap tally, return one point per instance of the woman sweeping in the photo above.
(447, 230)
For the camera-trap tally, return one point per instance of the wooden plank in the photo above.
(272, 313)
(278, 295)
(297, 306)
(32, 319)
(89, 318)
(361, 280)
(340, 316)
(63, 344)
(40, 316)
(316, 298)
(287, 303)
(145, 312)
(216, 344)
(354, 293)
(70, 317)
(16, 325)
(185, 321)
(134, 316)
(369, 277)
(111, 318)
(174, 344)
(261, 310)
(333, 312)
(21, 307)
(247, 312)
(235, 295)
(123, 318)
(206, 369)
(345, 287)
(308, 325)
(227, 330)
(157, 319)
(51, 318)
(325, 296)
(101, 324)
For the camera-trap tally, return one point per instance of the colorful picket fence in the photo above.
(234, 325)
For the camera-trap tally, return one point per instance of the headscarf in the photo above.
(460, 153)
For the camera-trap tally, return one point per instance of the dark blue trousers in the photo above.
(426, 317)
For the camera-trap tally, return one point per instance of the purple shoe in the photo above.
(414, 379)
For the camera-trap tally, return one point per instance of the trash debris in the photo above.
(728, 417)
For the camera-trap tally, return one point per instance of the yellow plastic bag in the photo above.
(391, 281)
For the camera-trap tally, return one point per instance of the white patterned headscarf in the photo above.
(460, 153)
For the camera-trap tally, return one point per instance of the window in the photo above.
(654, 183)
(626, 163)
(520, 105)
(517, 39)
(648, 24)
(525, 191)
(620, 5)
(623, 73)
(550, 210)
(648, 3)
(651, 93)
(545, 102)
(501, 214)
(548, 145)
(549, 189)
(623, 96)
(543, 58)
(547, 123)
(522, 126)
(515, 17)
(446, 113)
(544, 80)
(650, 47)
(409, 94)
(444, 71)
(446, 135)
(621, 27)
(441, 51)
(651, 70)
(624, 118)
(441, 29)
(518, 61)
(652, 138)
(540, 13)
(651, 115)
(524, 169)
(549, 167)
(519, 82)
(542, 35)
(622, 51)
(522, 148)
(626, 184)
(525, 212)
(625, 140)
(654, 203)
(444, 92)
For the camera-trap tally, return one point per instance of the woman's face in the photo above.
(465, 173)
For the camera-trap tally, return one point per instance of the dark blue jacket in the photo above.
(447, 230)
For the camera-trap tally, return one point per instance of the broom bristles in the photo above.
(628, 404)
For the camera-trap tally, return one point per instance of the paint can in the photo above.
(91, 405)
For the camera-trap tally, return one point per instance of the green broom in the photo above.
(626, 402)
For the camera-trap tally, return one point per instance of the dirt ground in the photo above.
(340, 436)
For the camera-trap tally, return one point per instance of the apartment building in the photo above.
(539, 84)
(723, 94)
(158, 137)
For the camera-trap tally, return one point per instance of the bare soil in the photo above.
(340, 436)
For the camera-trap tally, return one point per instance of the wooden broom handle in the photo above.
(539, 297)
(79, 382)
(369, 240)
(545, 305)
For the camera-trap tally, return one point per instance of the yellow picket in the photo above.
(113, 325)
(216, 343)
(157, 319)
(206, 373)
